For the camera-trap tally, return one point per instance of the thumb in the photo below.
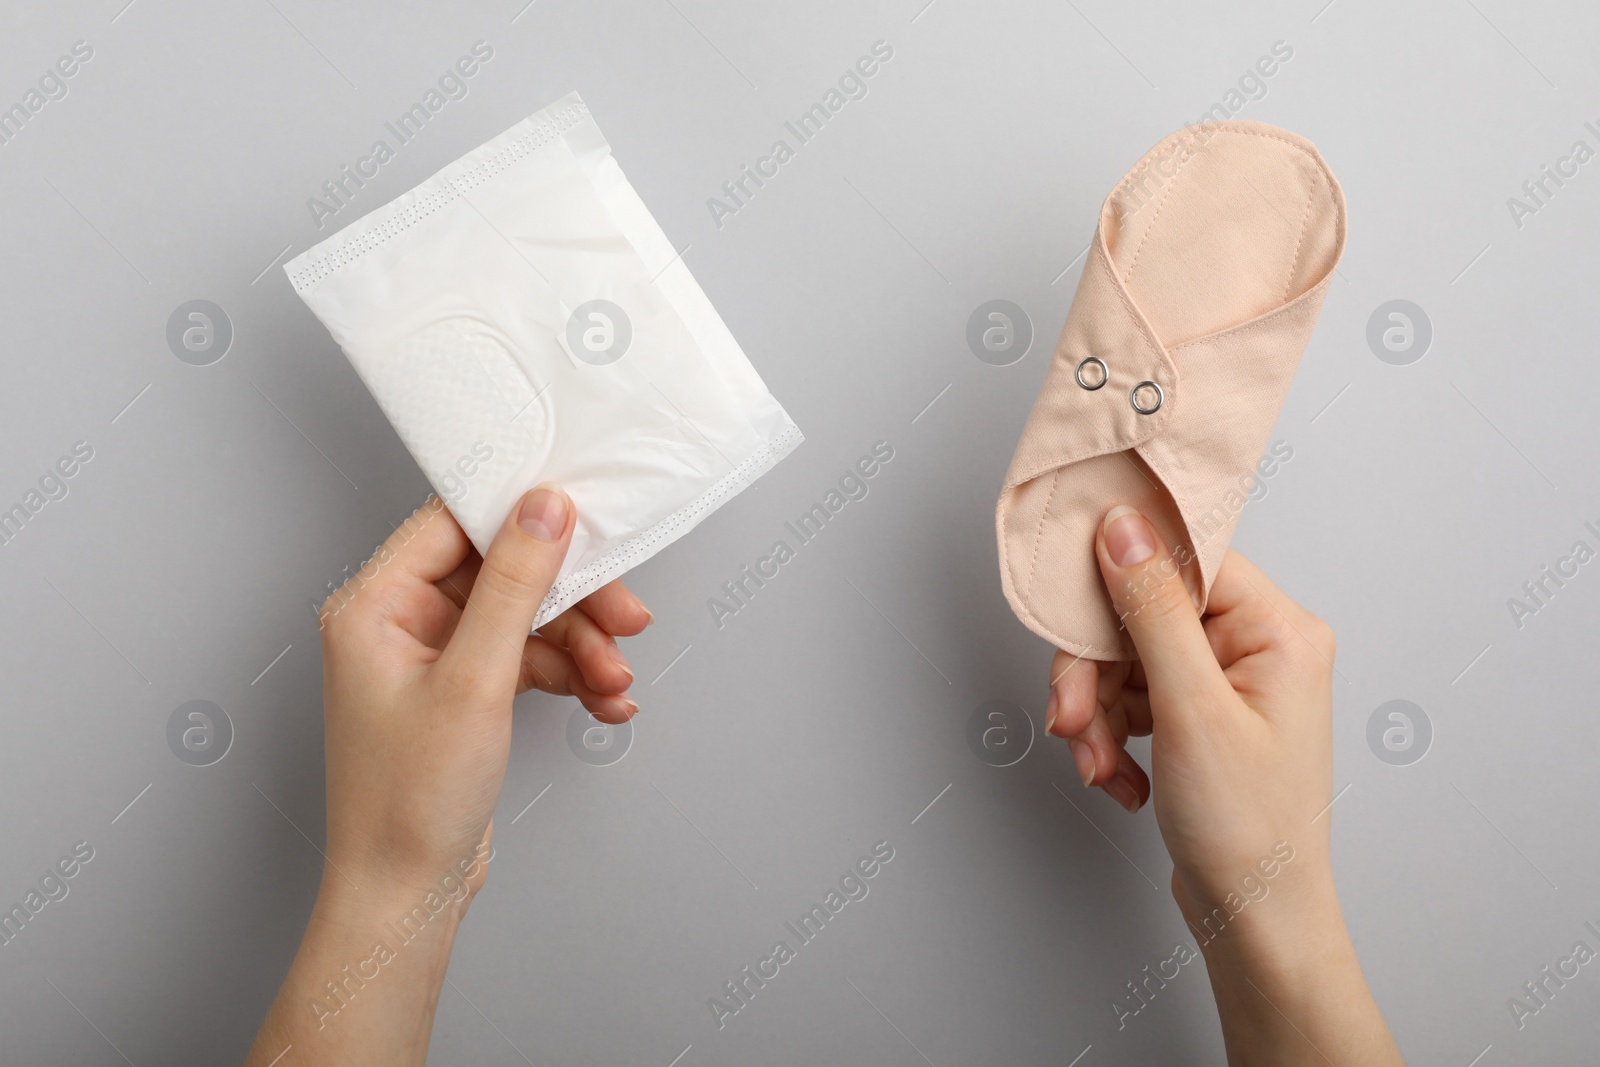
(1147, 589)
(518, 570)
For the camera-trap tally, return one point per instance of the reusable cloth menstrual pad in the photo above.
(1200, 291)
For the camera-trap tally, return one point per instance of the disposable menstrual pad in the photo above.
(1197, 298)
(520, 317)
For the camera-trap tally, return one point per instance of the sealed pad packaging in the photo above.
(520, 317)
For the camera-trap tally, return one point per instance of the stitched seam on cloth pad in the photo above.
(1148, 230)
(1038, 533)
(1305, 222)
(1257, 324)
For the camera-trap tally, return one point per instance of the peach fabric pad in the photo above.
(1205, 278)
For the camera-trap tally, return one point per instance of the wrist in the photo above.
(1287, 938)
(396, 883)
(369, 906)
(369, 967)
(362, 930)
(1289, 987)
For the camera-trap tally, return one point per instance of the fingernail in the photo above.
(1083, 756)
(619, 659)
(1129, 537)
(1051, 708)
(1123, 794)
(544, 513)
(633, 708)
(639, 604)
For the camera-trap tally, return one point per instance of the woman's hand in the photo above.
(1240, 708)
(422, 654)
(419, 669)
(1241, 704)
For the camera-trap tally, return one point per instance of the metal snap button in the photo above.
(1133, 398)
(1105, 372)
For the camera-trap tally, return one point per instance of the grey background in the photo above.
(776, 750)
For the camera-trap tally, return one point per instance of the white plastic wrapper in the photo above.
(520, 318)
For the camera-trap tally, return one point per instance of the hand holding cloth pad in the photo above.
(520, 317)
(1198, 296)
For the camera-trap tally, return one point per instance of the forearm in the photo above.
(365, 982)
(1289, 990)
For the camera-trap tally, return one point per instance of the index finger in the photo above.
(616, 609)
(1238, 582)
(429, 545)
